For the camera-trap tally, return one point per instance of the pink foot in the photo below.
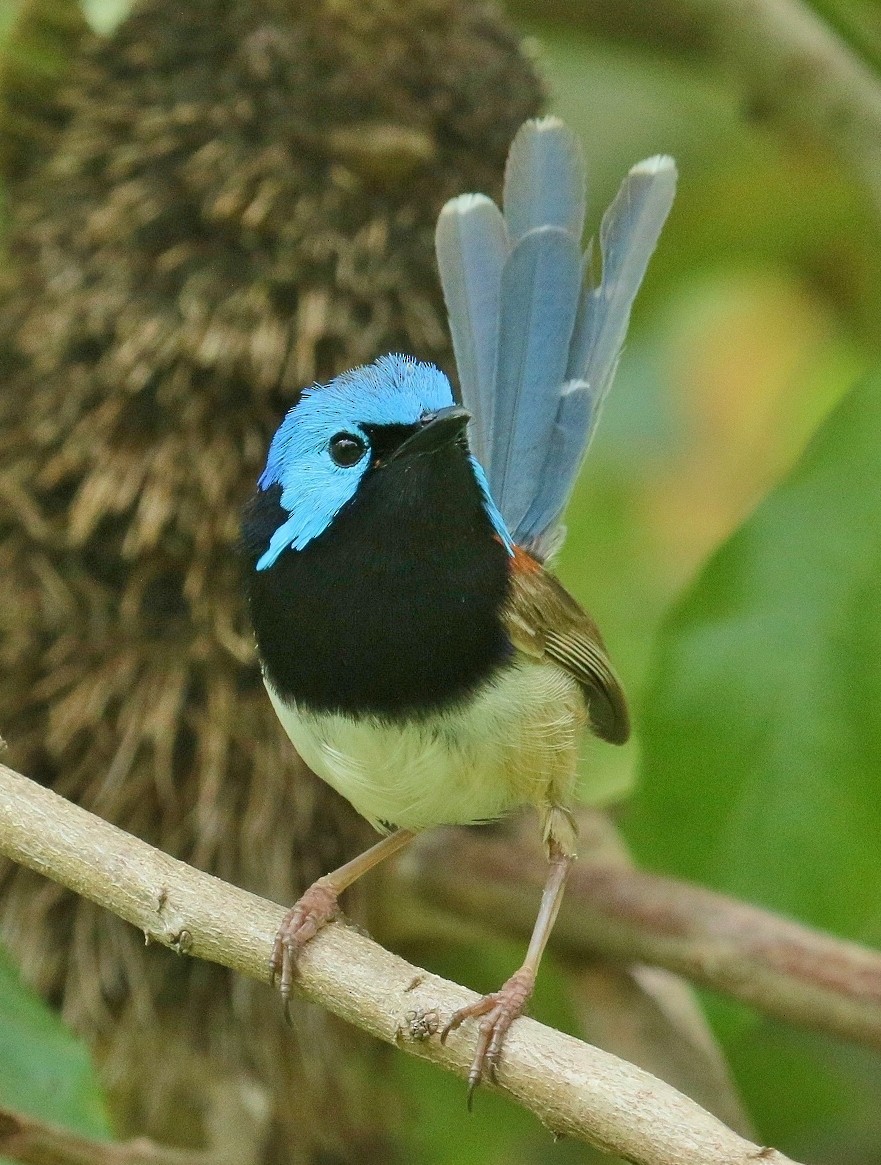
(499, 1010)
(301, 923)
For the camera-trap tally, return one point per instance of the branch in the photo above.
(574, 1089)
(652, 1018)
(794, 67)
(790, 64)
(628, 915)
(35, 1142)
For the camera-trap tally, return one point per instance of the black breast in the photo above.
(395, 608)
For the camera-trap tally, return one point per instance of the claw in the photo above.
(497, 1012)
(301, 923)
(469, 1096)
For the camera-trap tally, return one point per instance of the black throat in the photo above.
(395, 609)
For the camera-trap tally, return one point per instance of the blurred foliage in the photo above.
(762, 742)
(767, 675)
(761, 309)
(757, 712)
(44, 1071)
(858, 22)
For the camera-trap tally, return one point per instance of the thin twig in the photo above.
(795, 68)
(574, 1089)
(35, 1142)
(614, 911)
(791, 66)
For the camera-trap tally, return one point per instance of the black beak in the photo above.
(435, 430)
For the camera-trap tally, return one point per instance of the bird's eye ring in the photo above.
(347, 449)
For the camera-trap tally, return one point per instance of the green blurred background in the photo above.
(759, 314)
(757, 757)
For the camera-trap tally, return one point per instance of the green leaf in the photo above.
(762, 754)
(44, 1071)
(762, 732)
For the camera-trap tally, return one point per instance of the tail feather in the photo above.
(471, 242)
(540, 285)
(580, 344)
(540, 531)
(545, 148)
(536, 344)
(628, 235)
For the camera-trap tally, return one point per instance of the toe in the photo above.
(471, 1011)
(301, 923)
(276, 960)
(496, 1012)
(497, 1039)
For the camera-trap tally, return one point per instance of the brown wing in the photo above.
(544, 621)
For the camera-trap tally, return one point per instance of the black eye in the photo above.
(346, 449)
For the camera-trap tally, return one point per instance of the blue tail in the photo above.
(536, 344)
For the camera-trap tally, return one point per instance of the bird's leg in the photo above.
(498, 1010)
(319, 905)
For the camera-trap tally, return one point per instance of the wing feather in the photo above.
(543, 620)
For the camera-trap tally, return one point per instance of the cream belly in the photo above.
(515, 741)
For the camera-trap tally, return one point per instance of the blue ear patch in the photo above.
(395, 390)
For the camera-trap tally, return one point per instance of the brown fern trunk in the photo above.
(227, 199)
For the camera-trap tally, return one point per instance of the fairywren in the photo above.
(420, 656)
